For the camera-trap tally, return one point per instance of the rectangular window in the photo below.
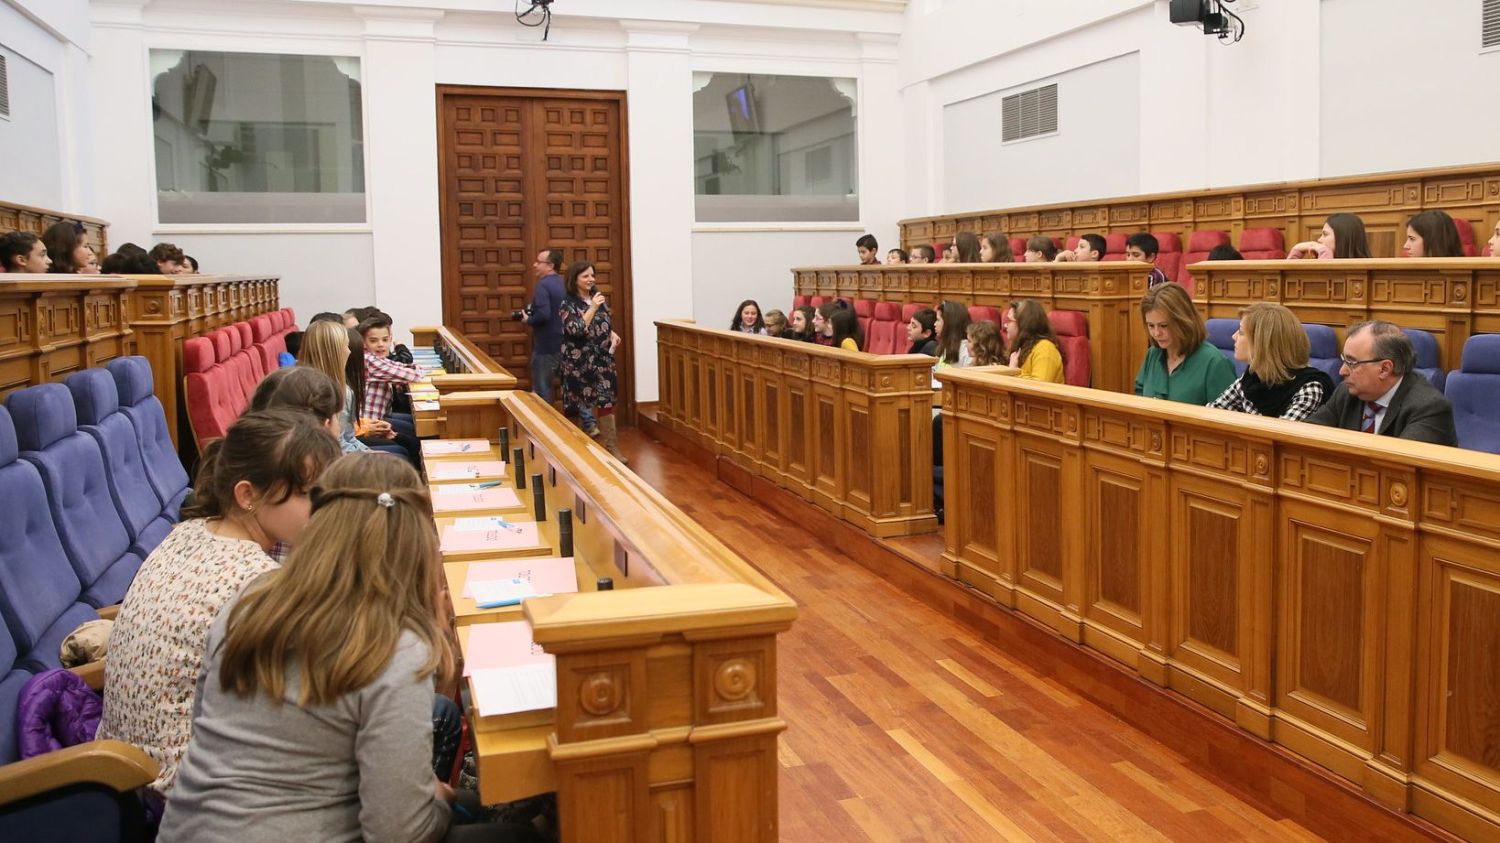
(774, 148)
(257, 138)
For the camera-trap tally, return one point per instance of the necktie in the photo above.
(1372, 409)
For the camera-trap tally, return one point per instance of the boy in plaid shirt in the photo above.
(382, 376)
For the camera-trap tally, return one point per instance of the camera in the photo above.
(520, 315)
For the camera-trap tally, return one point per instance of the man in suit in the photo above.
(1381, 395)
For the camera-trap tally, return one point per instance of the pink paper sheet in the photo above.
(477, 470)
(446, 447)
(507, 644)
(473, 500)
(469, 541)
(549, 576)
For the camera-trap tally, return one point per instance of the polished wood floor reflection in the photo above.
(904, 726)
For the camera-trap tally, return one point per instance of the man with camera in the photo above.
(542, 316)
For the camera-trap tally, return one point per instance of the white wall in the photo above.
(1404, 90)
(978, 169)
(45, 43)
(408, 49)
(731, 266)
(1310, 92)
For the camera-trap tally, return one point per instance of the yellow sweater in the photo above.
(849, 344)
(1044, 363)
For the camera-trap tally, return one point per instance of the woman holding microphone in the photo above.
(587, 363)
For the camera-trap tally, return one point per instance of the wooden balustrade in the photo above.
(166, 309)
(666, 724)
(1385, 201)
(1106, 292)
(848, 431)
(1334, 596)
(1452, 298)
(15, 217)
(466, 406)
(54, 325)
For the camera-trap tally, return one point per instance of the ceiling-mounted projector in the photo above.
(1212, 16)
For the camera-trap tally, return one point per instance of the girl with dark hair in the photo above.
(822, 325)
(802, 324)
(921, 332)
(1031, 343)
(70, 255)
(587, 360)
(995, 248)
(251, 493)
(748, 319)
(1041, 249)
(952, 326)
(1432, 234)
(1343, 236)
(967, 245)
(843, 328)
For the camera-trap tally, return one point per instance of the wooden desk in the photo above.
(1453, 298)
(666, 724)
(1337, 596)
(1106, 293)
(848, 431)
(54, 325)
(469, 372)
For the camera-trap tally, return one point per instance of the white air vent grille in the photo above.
(1029, 113)
(4, 88)
(1490, 25)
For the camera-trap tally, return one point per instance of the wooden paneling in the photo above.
(1384, 200)
(1105, 292)
(1337, 600)
(54, 325)
(1452, 298)
(666, 725)
(15, 217)
(849, 431)
(521, 171)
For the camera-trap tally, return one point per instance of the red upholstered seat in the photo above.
(980, 312)
(1018, 249)
(206, 384)
(887, 333)
(818, 301)
(268, 344)
(1200, 243)
(1072, 329)
(937, 251)
(909, 310)
(247, 336)
(1466, 236)
(864, 311)
(1114, 247)
(799, 301)
(1262, 244)
(1073, 242)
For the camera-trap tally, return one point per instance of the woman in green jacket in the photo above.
(1181, 365)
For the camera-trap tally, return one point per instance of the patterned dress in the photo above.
(586, 366)
(156, 646)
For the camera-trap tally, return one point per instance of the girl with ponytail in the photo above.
(314, 712)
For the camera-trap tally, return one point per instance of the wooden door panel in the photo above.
(523, 171)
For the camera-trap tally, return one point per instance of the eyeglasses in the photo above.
(1351, 363)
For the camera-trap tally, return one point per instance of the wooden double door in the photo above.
(522, 170)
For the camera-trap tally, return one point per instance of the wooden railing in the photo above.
(1384, 200)
(54, 325)
(167, 309)
(1106, 292)
(666, 724)
(467, 393)
(57, 324)
(1338, 599)
(1452, 298)
(848, 431)
(15, 217)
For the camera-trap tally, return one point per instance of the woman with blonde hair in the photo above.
(313, 715)
(1031, 342)
(1181, 364)
(1278, 382)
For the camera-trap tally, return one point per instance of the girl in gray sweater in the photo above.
(313, 714)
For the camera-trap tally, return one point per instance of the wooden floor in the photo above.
(906, 727)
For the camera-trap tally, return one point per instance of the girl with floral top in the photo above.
(250, 493)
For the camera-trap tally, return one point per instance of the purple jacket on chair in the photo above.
(57, 709)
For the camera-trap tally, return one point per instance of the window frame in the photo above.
(258, 45)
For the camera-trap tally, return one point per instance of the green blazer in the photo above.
(1200, 379)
